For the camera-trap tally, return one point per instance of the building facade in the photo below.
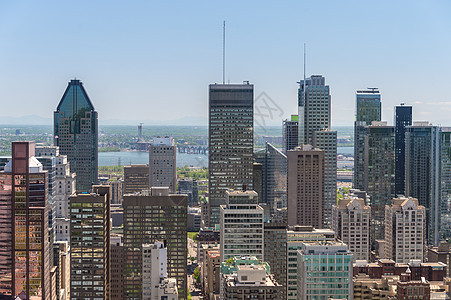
(76, 134)
(306, 186)
(136, 178)
(290, 133)
(445, 182)
(403, 118)
(154, 270)
(231, 142)
(275, 236)
(162, 163)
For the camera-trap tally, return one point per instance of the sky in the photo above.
(153, 60)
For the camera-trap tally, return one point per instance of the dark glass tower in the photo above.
(76, 133)
(230, 142)
(403, 118)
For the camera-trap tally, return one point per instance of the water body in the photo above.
(183, 159)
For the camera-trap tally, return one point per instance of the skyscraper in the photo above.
(306, 186)
(445, 177)
(162, 163)
(290, 133)
(136, 178)
(90, 244)
(25, 249)
(76, 133)
(231, 142)
(150, 216)
(368, 109)
(403, 118)
(423, 173)
(379, 169)
(274, 178)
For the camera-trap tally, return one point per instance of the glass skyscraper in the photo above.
(403, 118)
(76, 133)
(368, 109)
(231, 142)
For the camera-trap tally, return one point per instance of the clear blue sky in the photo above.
(153, 60)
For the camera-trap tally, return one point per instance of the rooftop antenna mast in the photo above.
(223, 51)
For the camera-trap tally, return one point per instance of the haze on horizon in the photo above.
(148, 60)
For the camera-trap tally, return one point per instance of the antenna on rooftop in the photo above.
(223, 52)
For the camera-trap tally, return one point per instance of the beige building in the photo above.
(366, 288)
(351, 222)
(306, 186)
(212, 273)
(136, 178)
(405, 230)
(162, 163)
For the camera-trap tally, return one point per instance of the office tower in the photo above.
(379, 168)
(241, 236)
(405, 222)
(24, 239)
(49, 165)
(61, 260)
(230, 142)
(136, 178)
(76, 133)
(212, 273)
(290, 133)
(116, 191)
(368, 109)
(117, 264)
(187, 186)
(243, 280)
(423, 173)
(351, 222)
(314, 107)
(327, 140)
(257, 179)
(275, 236)
(445, 178)
(150, 216)
(403, 118)
(296, 236)
(155, 268)
(90, 244)
(162, 163)
(306, 186)
(316, 261)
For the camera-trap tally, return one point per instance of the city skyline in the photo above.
(106, 52)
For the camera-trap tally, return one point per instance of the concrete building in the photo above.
(379, 168)
(248, 276)
(76, 134)
(206, 236)
(189, 187)
(319, 260)
(405, 222)
(194, 219)
(212, 273)
(368, 109)
(163, 163)
(150, 216)
(276, 252)
(296, 236)
(231, 142)
(423, 173)
(25, 251)
(154, 268)
(410, 290)
(445, 182)
(441, 254)
(366, 288)
(290, 133)
(61, 259)
(403, 118)
(136, 178)
(241, 224)
(306, 186)
(116, 191)
(202, 262)
(351, 222)
(327, 140)
(117, 264)
(90, 234)
(168, 289)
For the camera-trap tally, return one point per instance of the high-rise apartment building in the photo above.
(321, 260)
(368, 109)
(24, 239)
(90, 228)
(162, 163)
(306, 186)
(423, 173)
(154, 268)
(241, 221)
(117, 264)
(136, 178)
(403, 118)
(290, 133)
(76, 133)
(445, 178)
(275, 236)
(296, 236)
(351, 222)
(379, 168)
(150, 216)
(327, 140)
(231, 142)
(405, 222)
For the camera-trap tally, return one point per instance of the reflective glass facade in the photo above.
(76, 133)
(403, 118)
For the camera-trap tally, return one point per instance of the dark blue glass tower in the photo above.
(403, 118)
(76, 133)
